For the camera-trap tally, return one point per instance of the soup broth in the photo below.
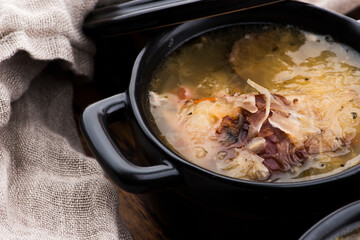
(261, 102)
(353, 235)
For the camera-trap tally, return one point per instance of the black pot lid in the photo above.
(119, 17)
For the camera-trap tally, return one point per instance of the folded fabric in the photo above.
(340, 6)
(48, 188)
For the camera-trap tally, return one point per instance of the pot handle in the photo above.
(94, 125)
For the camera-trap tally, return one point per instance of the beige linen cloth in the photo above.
(48, 188)
(340, 6)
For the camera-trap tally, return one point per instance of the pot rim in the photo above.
(334, 224)
(143, 58)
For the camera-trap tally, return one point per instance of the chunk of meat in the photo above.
(232, 131)
(273, 144)
(279, 153)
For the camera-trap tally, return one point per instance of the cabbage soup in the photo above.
(261, 102)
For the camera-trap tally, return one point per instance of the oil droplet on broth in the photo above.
(200, 152)
(221, 155)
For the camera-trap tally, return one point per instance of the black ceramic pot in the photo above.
(282, 206)
(342, 222)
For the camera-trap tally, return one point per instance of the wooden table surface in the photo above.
(140, 215)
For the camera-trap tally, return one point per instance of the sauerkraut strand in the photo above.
(267, 94)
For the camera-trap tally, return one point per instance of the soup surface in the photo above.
(353, 235)
(261, 102)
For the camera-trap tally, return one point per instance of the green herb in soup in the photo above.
(262, 103)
